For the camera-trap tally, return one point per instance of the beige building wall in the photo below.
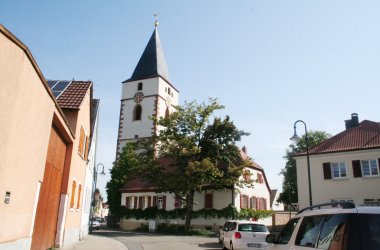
(26, 116)
(356, 189)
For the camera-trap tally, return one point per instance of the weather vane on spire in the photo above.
(156, 19)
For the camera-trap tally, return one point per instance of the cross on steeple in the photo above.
(156, 20)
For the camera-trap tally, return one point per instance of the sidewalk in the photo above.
(94, 242)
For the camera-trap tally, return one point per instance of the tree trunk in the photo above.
(189, 209)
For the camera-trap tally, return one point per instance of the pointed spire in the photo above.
(152, 62)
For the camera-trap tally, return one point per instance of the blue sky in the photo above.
(269, 62)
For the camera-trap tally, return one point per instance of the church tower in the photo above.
(149, 92)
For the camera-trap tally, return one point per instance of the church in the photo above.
(150, 92)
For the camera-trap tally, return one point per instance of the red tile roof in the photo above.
(365, 136)
(73, 96)
(137, 185)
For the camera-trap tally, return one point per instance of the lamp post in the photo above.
(93, 195)
(295, 138)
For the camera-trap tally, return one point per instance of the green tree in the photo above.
(199, 155)
(121, 172)
(289, 184)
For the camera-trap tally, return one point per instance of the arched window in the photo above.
(140, 86)
(137, 113)
(167, 112)
(72, 200)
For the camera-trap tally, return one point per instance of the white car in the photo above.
(245, 235)
(95, 225)
(341, 227)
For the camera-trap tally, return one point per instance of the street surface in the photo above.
(146, 241)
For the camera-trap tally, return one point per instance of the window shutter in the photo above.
(140, 202)
(74, 185)
(127, 202)
(164, 202)
(208, 200)
(356, 168)
(327, 170)
(81, 141)
(79, 194)
(149, 199)
(87, 148)
(135, 202)
(154, 201)
(241, 201)
(265, 203)
(253, 202)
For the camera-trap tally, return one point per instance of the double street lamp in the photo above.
(295, 138)
(93, 195)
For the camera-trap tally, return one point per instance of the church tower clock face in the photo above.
(138, 97)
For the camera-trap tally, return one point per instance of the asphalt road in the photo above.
(142, 241)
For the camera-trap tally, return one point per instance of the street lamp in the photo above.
(295, 138)
(93, 195)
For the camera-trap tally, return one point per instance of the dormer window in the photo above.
(169, 91)
(140, 86)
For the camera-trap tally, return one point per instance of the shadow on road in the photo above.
(210, 245)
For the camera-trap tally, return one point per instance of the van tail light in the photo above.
(237, 235)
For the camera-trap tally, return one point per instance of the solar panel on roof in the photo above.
(61, 85)
(56, 93)
(51, 83)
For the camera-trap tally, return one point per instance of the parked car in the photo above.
(224, 229)
(95, 225)
(240, 235)
(340, 227)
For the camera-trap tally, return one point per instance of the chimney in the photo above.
(354, 122)
(244, 148)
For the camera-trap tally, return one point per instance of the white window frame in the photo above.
(339, 166)
(131, 204)
(144, 202)
(369, 163)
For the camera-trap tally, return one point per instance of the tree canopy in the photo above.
(289, 185)
(191, 154)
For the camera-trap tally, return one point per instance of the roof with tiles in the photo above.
(138, 185)
(73, 95)
(365, 136)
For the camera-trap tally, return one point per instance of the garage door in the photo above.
(45, 225)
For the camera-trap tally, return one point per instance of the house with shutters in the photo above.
(75, 98)
(343, 167)
(137, 194)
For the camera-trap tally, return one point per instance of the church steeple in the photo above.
(152, 62)
(147, 93)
